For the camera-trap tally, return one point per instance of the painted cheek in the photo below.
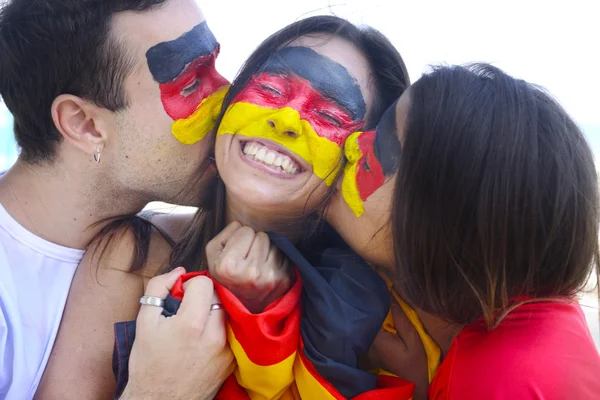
(369, 175)
(200, 78)
(252, 120)
(363, 173)
(195, 128)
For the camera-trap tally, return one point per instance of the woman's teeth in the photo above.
(270, 158)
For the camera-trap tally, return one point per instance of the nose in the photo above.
(286, 122)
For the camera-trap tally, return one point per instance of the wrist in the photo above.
(133, 392)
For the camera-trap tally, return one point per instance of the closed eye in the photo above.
(367, 167)
(271, 89)
(330, 118)
(191, 88)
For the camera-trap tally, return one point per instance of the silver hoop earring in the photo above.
(97, 156)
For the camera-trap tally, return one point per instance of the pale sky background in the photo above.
(554, 44)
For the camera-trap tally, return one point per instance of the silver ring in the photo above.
(152, 301)
(216, 306)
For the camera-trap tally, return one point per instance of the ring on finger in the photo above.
(152, 301)
(216, 306)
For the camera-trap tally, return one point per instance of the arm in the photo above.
(102, 293)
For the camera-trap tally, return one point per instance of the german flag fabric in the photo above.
(306, 344)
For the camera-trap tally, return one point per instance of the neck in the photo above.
(369, 235)
(441, 331)
(64, 204)
(264, 219)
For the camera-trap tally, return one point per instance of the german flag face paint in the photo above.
(191, 89)
(371, 158)
(303, 101)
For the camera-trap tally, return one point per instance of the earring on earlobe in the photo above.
(97, 156)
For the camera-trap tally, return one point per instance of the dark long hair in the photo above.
(389, 79)
(496, 197)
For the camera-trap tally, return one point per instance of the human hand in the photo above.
(185, 356)
(402, 354)
(248, 265)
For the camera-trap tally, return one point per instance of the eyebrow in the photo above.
(325, 75)
(167, 60)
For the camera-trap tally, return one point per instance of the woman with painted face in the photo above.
(494, 218)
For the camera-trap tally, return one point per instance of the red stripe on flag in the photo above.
(231, 390)
(267, 338)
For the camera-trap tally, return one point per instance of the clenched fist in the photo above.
(246, 263)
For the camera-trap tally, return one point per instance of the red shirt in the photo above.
(541, 350)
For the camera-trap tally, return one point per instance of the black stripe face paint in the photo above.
(167, 60)
(386, 147)
(325, 75)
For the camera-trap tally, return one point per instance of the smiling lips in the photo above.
(275, 160)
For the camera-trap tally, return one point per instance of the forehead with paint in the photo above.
(302, 100)
(191, 89)
(372, 157)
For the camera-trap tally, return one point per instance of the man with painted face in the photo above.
(112, 103)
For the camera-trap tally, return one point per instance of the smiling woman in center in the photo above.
(280, 142)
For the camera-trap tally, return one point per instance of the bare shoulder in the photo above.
(103, 292)
(119, 250)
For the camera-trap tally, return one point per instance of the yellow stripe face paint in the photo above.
(251, 121)
(350, 192)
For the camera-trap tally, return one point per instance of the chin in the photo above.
(257, 194)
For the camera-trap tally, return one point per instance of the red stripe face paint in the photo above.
(200, 79)
(276, 91)
(372, 157)
(369, 174)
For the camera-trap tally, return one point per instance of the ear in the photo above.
(80, 122)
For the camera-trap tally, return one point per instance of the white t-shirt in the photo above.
(35, 277)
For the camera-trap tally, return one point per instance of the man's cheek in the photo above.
(202, 121)
(176, 105)
(201, 82)
(180, 106)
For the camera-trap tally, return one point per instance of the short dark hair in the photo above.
(389, 79)
(496, 197)
(53, 47)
